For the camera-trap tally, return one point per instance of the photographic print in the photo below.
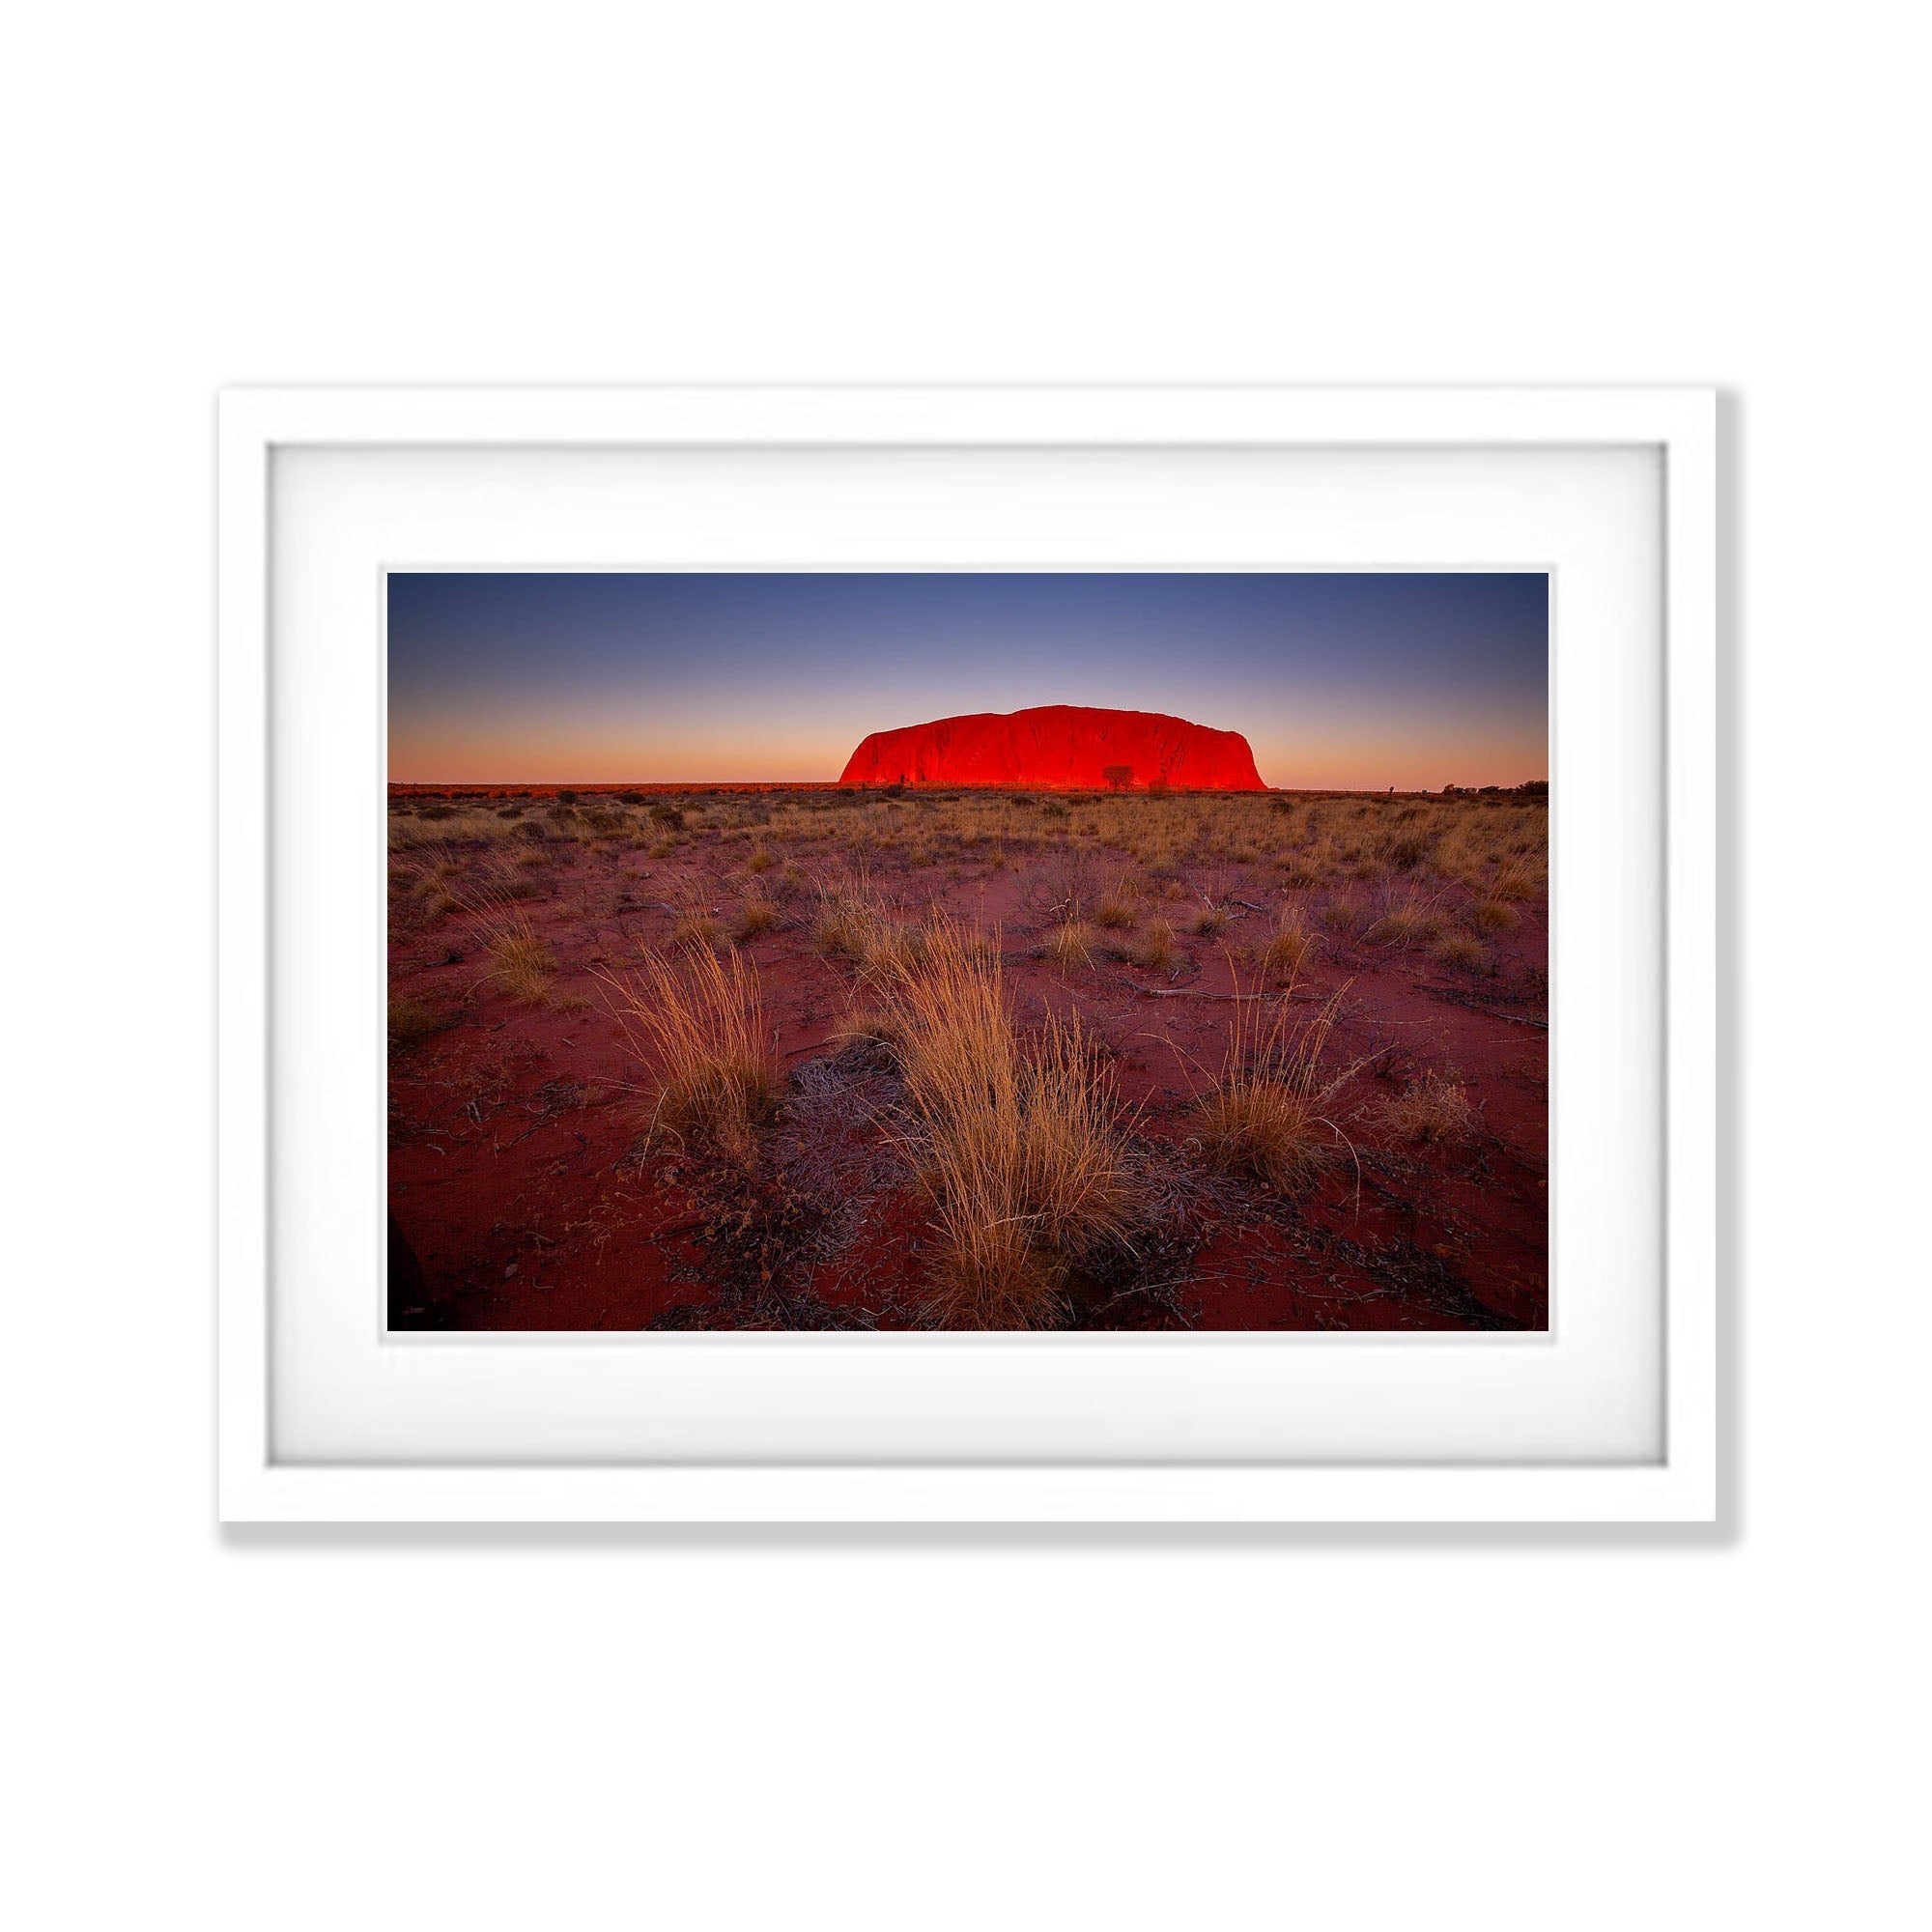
(968, 951)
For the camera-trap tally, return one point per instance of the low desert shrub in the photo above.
(1211, 921)
(1344, 915)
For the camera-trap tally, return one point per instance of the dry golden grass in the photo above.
(1289, 946)
(1434, 1110)
(1493, 916)
(870, 1032)
(437, 825)
(1268, 1114)
(1467, 954)
(698, 930)
(1118, 907)
(1016, 1140)
(696, 1025)
(1405, 920)
(1211, 921)
(755, 916)
(840, 933)
(1406, 850)
(1157, 950)
(890, 947)
(1070, 946)
(1518, 879)
(521, 964)
(413, 1019)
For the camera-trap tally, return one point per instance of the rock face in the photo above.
(1061, 748)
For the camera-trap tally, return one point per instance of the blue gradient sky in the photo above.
(1337, 680)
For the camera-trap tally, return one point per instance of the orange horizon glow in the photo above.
(1339, 763)
(1342, 682)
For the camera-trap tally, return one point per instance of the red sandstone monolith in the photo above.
(1057, 747)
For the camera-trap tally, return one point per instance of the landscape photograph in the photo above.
(1049, 952)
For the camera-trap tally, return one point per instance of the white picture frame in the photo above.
(562, 1477)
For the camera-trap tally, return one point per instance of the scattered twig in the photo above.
(1457, 998)
(1203, 993)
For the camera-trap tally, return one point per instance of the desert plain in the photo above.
(887, 1058)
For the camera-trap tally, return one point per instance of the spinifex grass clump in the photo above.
(1070, 946)
(1289, 946)
(756, 916)
(1268, 1114)
(697, 1024)
(1518, 879)
(1014, 1138)
(1433, 1110)
(1404, 919)
(1157, 945)
(1118, 906)
(1462, 951)
(521, 964)
(412, 1018)
(841, 929)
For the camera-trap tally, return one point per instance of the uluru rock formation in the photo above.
(1058, 746)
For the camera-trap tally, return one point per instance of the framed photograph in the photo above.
(968, 954)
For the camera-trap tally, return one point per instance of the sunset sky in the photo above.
(1338, 681)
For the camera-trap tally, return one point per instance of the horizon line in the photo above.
(919, 785)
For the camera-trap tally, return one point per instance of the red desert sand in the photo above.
(1292, 1049)
(1057, 747)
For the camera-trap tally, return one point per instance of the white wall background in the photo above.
(1484, 1730)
